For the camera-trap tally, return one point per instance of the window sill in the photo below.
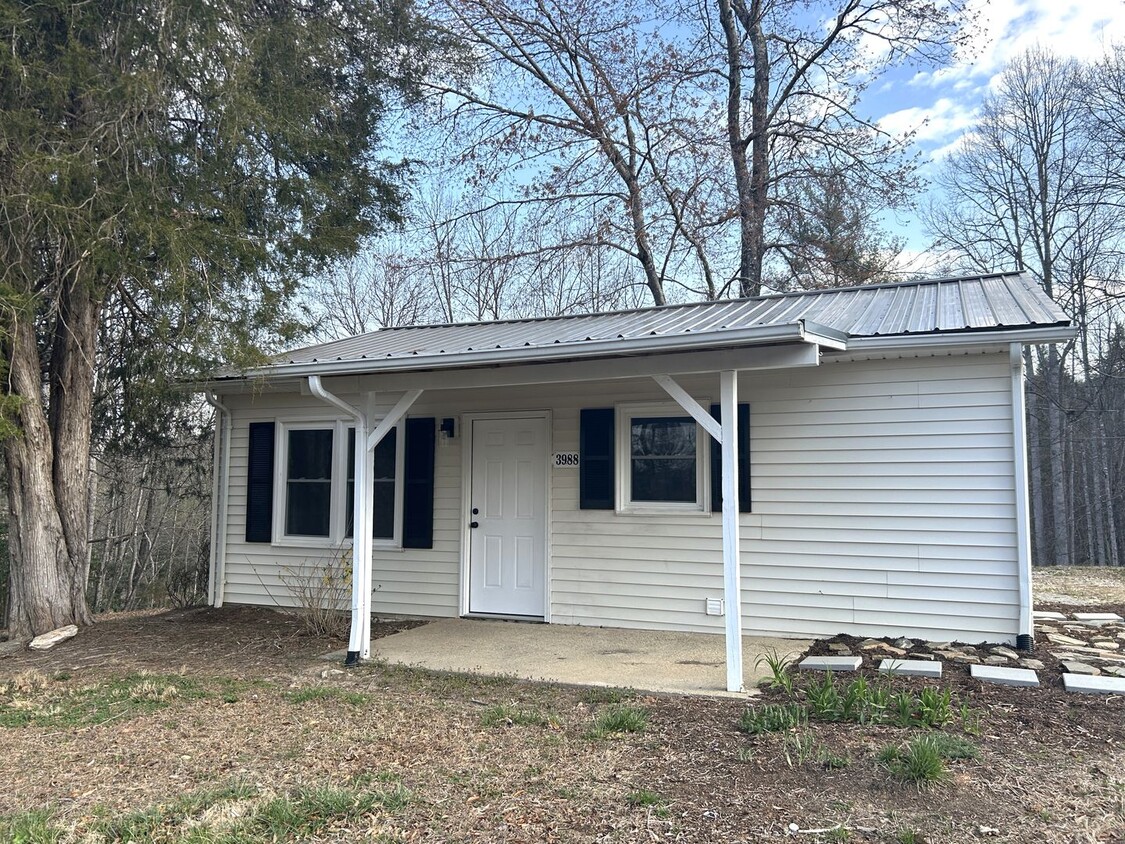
(657, 510)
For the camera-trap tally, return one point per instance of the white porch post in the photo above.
(726, 434)
(359, 645)
(732, 563)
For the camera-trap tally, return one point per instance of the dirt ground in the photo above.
(1051, 766)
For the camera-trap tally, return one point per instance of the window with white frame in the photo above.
(662, 463)
(316, 484)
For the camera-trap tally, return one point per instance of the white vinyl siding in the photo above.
(883, 504)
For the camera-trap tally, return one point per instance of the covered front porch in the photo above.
(646, 660)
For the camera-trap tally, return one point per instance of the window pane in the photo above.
(383, 516)
(308, 499)
(310, 454)
(662, 458)
(307, 508)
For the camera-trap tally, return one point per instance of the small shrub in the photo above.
(773, 718)
(832, 761)
(908, 836)
(322, 595)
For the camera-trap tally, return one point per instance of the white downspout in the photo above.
(359, 642)
(216, 580)
(1025, 633)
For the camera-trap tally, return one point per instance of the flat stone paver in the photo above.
(1004, 676)
(1075, 667)
(1043, 615)
(830, 663)
(1098, 616)
(910, 667)
(1084, 684)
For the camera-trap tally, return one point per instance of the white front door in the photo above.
(508, 506)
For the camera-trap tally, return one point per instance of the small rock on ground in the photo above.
(1080, 668)
(46, 641)
(1033, 664)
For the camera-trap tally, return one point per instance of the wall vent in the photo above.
(715, 606)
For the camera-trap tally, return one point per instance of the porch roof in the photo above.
(935, 311)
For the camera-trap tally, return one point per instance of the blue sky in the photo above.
(941, 105)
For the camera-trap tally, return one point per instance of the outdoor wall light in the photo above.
(446, 428)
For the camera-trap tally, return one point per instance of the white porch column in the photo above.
(359, 643)
(725, 434)
(732, 558)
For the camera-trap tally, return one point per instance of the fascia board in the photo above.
(902, 342)
(795, 331)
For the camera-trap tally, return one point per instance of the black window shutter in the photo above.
(259, 483)
(595, 460)
(743, 462)
(418, 483)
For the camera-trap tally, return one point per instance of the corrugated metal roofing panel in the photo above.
(1003, 301)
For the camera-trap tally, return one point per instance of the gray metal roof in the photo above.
(1005, 301)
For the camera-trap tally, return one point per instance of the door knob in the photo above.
(474, 524)
(475, 511)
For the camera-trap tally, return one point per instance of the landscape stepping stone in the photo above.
(1048, 616)
(1084, 684)
(1007, 652)
(910, 667)
(1060, 639)
(1034, 664)
(830, 663)
(1098, 616)
(1004, 676)
(1074, 667)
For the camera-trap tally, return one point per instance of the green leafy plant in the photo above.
(602, 694)
(920, 762)
(934, 707)
(315, 693)
(779, 666)
(902, 709)
(772, 718)
(824, 699)
(623, 718)
(970, 720)
(508, 716)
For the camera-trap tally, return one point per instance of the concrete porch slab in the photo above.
(646, 660)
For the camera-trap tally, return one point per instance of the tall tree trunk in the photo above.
(47, 583)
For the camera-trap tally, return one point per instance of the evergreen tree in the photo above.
(179, 165)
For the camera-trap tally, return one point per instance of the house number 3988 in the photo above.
(566, 460)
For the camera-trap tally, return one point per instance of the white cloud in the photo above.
(931, 124)
(1080, 29)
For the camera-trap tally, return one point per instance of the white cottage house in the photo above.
(840, 461)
